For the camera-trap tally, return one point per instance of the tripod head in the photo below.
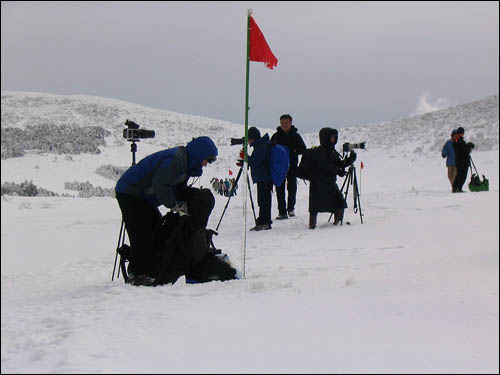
(133, 150)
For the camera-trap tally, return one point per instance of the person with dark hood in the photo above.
(260, 167)
(227, 187)
(462, 156)
(287, 135)
(158, 179)
(221, 187)
(448, 152)
(327, 164)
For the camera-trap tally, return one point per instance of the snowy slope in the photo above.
(21, 109)
(413, 289)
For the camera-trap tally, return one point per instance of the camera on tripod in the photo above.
(346, 147)
(237, 141)
(134, 134)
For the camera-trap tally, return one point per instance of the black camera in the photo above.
(237, 141)
(133, 133)
(351, 146)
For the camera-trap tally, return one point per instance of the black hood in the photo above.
(324, 137)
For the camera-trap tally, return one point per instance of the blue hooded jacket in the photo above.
(159, 177)
(448, 152)
(260, 160)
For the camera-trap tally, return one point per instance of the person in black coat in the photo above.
(324, 194)
(287, 135)
(260, 167)
(462, 156)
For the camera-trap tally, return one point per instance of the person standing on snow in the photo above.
(260, 167)
(448, 152)
(462, 154)
(327, 164)
(287, 135)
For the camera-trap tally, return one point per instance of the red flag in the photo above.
(230, 172)
(259, 50)
(362, 165)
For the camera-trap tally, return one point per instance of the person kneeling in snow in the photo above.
(160, 178)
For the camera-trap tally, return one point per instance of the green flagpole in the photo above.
(245, 148)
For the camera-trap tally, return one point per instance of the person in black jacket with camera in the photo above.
(462, 156)
(327, 164)
(287, 135)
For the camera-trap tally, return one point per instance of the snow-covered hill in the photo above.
(414, 289)
(21, 109)
(422, 134)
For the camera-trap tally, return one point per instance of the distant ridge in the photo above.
(418, 135)
(22, 109)
(425, 134)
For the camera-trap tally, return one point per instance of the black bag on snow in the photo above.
(184, 247)
(304, 169)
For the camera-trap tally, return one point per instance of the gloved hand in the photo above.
(181, 207)
(351, 158)
(341, 172)
(471, 145)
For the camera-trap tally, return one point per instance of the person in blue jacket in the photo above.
(158, 179)
(260, 167)
(448, 152)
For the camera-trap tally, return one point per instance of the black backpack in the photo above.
(305, 167)
(184, 247)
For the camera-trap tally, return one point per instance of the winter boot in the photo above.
(261, 227)
(312, 220)
(282, 216)
(141, 279)
(338, 216)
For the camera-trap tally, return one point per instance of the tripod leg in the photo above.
(117, 247)
(122, 261)
(356, 197)
(229, 198)
(251, 199)
(346, 180)
(223, 212)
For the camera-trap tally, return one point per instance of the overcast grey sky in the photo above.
(339, 63)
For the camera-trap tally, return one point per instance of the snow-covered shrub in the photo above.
(111, 171)
(86, 189)
(61, 139)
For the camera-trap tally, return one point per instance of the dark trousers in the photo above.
(264, 195)
(141, 219)
(291, 182)
(461, 177)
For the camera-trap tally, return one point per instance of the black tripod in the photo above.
(121, 236)
(352, 180)
(231, 193)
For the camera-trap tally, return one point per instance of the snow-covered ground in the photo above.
(413, 289)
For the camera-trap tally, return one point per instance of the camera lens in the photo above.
(143, 133)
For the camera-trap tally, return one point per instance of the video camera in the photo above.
(237, 141)
(133, 133)
(346, 147)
